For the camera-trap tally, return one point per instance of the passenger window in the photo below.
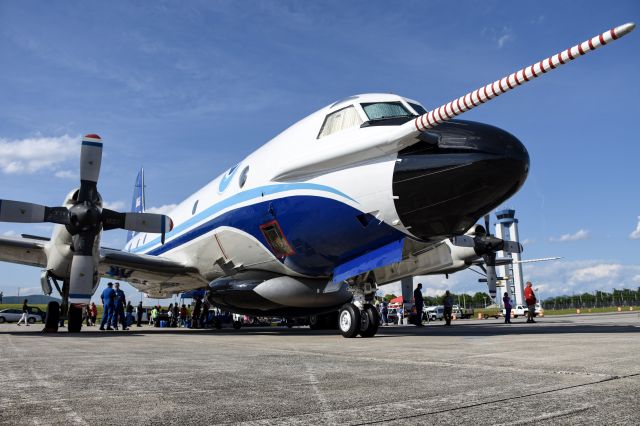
(274, 236)
(195, 207)
(342, 119)
(243, 177)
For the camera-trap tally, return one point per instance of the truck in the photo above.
(521, 310)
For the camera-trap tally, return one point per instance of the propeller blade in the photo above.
(464, 241)
(486, 224)
(18, 211)
(137, 222)
(512, 247)
(492, 281)
(90, 160)
(83, 268)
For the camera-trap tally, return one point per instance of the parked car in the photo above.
(14, 315)
(521, 310)
(37, 311)
(435, 313)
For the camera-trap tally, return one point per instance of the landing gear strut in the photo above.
(360, 316)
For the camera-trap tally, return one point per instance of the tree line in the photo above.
(623, 297)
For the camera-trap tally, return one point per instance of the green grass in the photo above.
(588, 310)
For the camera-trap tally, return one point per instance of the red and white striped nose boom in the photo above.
(479, 96)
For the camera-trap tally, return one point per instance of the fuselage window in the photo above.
(243, 177)
(276, 239)
(195, 208)
(342, 119)
(380, 110)
(417, 108)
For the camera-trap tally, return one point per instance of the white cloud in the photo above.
(528, 241)
(582, 234)
(115, 205)
(65, 174)
(596, 273)
(635, 235)
(32, 155)
(504, 39)
(578, 276)
(162, 209)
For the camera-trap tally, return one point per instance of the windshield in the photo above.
(382, 110)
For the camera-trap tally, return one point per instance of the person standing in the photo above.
(139, 314)
(419, 304)
(94, 313)
(204, 317)
(25, 313)
(108, 297)
(448, 307)
(197, 310)
(87, 313)
(507, 308)
(385, 312)
(120, 303)
(129, 310)
(1, 294)
(530, 300)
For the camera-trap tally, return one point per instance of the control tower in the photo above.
(507, 229)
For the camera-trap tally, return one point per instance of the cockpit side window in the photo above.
(382, 110)
(342, 119)
(417, 108)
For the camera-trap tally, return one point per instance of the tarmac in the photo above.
(575, 369)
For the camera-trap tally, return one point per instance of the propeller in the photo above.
(85, 219)
(487, 245)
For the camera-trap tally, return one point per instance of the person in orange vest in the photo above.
(530, 299)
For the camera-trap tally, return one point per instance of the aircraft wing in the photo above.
(154, 275)
(25, 251)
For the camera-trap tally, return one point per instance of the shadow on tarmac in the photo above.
(459, 329)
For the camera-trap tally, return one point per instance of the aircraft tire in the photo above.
(237, 325)
(372, 323)
(74, 323)
(349, 320)
(52, 318)
(314, 323)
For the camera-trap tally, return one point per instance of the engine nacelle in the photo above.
(263, 293)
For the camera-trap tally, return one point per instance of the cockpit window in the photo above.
(382, 110)
(417, 108)
(342, 119)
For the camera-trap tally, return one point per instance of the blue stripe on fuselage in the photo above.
(322, 231)
(233, 200)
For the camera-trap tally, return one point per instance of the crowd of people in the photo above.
(416, 314)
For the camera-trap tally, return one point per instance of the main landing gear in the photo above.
(56, 313)
(360, 316)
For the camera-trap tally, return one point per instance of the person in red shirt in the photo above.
(530, 299)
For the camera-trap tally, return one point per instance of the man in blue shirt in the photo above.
(108, 297)
(118, 314)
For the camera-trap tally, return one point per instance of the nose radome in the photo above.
(461, 171)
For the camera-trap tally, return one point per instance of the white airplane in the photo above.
(366, 191)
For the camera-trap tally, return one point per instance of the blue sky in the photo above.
(189, 88)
